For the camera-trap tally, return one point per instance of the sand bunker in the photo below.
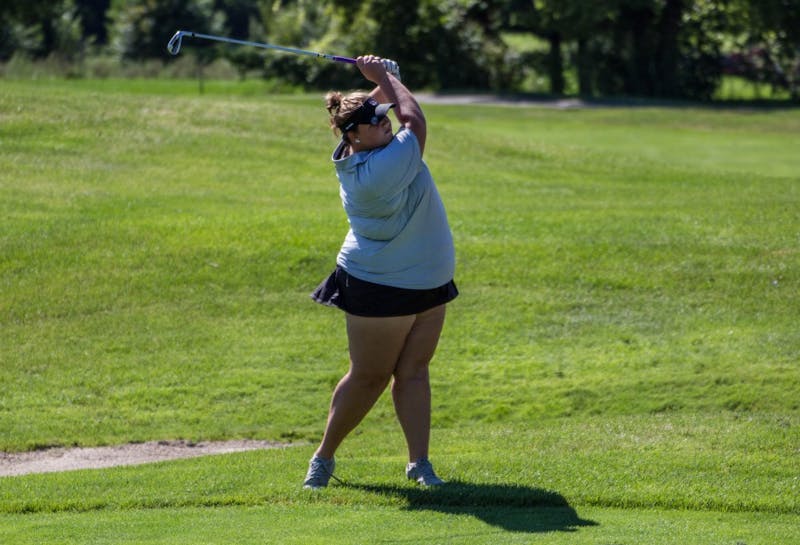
(67, 459)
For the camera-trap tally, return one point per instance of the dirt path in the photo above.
(67, 459)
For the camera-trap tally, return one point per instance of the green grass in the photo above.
(738, 88)
(619, 368)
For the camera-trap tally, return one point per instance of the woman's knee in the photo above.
(411, 374)
(369, 380)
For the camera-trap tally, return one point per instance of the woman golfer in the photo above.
(394, 271)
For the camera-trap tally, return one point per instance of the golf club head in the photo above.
(174, 45)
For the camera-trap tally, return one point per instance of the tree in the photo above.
(40, 28)
(238, 14)
(562, 22)
(92, 14)
(660, 48)
(438, 43)
(664, 48)
(141, 28)
(775, 26)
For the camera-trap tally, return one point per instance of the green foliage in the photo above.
(777, 33)
(438, 44)
(462, 45)
(141, 28)
(670, 48)
(92, 14)
(40, 29)
(307, 25)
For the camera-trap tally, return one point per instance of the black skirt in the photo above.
(362, 298)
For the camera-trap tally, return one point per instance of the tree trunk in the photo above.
(555, 64)
(641, 51)
(668, 52)
(585, 79)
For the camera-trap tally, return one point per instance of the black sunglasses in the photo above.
(369, 113)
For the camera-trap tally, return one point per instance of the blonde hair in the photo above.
(340, 107)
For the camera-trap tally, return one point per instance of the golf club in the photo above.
(174, 46)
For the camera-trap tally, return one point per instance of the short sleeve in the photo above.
(393, 168)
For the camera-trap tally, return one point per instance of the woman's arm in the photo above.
(378, 95)
(392, 69)
(390, 89)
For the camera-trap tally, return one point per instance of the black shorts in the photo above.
(363, 298)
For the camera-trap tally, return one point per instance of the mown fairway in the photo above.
(620, 368)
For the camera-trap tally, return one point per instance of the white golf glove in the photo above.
(392, 68)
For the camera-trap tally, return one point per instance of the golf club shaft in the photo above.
(174, 46)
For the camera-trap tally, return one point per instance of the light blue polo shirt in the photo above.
(399, 235)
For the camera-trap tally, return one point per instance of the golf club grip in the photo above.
(342, 59)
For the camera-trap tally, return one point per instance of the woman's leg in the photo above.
(411, 390)
(376, 345)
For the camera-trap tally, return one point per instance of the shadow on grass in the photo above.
(511, 507)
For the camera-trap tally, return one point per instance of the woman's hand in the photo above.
(392, 68)
(372, 67)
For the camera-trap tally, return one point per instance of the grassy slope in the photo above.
(628, 297)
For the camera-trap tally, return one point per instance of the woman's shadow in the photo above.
(512, 507)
